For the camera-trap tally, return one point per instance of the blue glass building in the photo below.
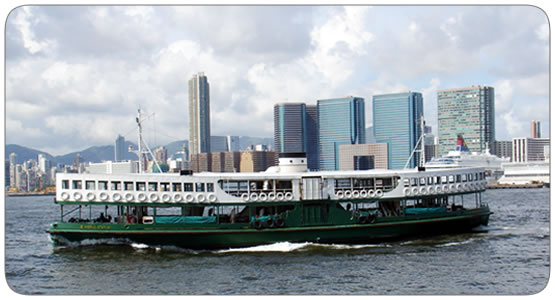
(341, 121)
(296, 130)
(397, 122)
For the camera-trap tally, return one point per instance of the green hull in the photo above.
(222, 237)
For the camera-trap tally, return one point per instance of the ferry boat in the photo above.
(284, 203)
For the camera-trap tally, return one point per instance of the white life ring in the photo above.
(201, 198)
(423, 190)
(459, 187)
(339, 195)
(445, 188)
(348, 194)
(271, 196)
(116, 197)
(90, 196)
(438, 189)
(415, 191)
(153, 197)
(363, 194)
(254, 197)
(103, 196)
(65, 196)
(189, 197)
(212, 198)
(288, 196)
(355, 194)
(280, 196)
(406, 191)
(141, 197)
(371, 194)
(431, 190)
(245, 197)
(262, 197)
(379, 193)
(166, 197)
(452, 187)
(129, 197)
(77, 196)
(177, 197)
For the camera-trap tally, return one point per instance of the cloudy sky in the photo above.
(75, 75)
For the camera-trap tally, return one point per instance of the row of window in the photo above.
(422, 181)
(138, 186)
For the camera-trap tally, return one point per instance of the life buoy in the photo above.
(254, 197)
(153, 197)
(177, 197)
(438, 189)
(201, 198)
(459, 187)
(257, 224)
(430, 190)
(116, 197)
(452, 187)
(65, 196)
(166, 197)
(280, 196)
(355, 194)
(271, 196)
(90, 196)
(141, 197)
(77, 196)
(423, 190)
(415, 191)
(189, 197)
(103, 196)
(262, 197)
(362, 219)
(288, 196)
(379, 193)
(445, 188)
(129, 197)
(212, 198)
(406, 191)
(348, 194)
(339, 195)
(371, 194)
(279, 222)
(245, 197)
(363, 194)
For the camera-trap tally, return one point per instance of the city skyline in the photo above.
(89, 75)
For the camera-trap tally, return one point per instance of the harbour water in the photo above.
(510, 256)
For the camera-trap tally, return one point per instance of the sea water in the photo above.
(509, 256)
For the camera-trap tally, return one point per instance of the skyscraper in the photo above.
(312, 151)
(397, 119)
(535, 130)
(469, 112)
(199, 114)
(341, 121)
(119, 149)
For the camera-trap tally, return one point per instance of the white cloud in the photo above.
(24, 22)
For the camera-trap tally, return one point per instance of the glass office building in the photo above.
(341, 121)
(397, 120)
(469, 112)
(296, 130)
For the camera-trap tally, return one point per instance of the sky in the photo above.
(76, 75)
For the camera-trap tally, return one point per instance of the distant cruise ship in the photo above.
(461, 157)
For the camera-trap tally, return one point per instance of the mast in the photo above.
(141, 152)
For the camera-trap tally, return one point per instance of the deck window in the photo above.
(89, 185)
(443, 179)
(152, 186)
(464, 177)
(209, 187)
(199, 187)
(188, 187)
(115, 185)
(451, 179)
(430, 180)
(103, 185)
(164, 186)
(344, 183)
(128, 186)
(422, 180)
(141, 186)
(177, 187)
(406, 182)
(76, 184)
(458, 177)
(413, 182)
(65, 184)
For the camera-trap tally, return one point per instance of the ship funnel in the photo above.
(292, 162)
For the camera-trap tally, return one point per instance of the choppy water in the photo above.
(512, 257)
